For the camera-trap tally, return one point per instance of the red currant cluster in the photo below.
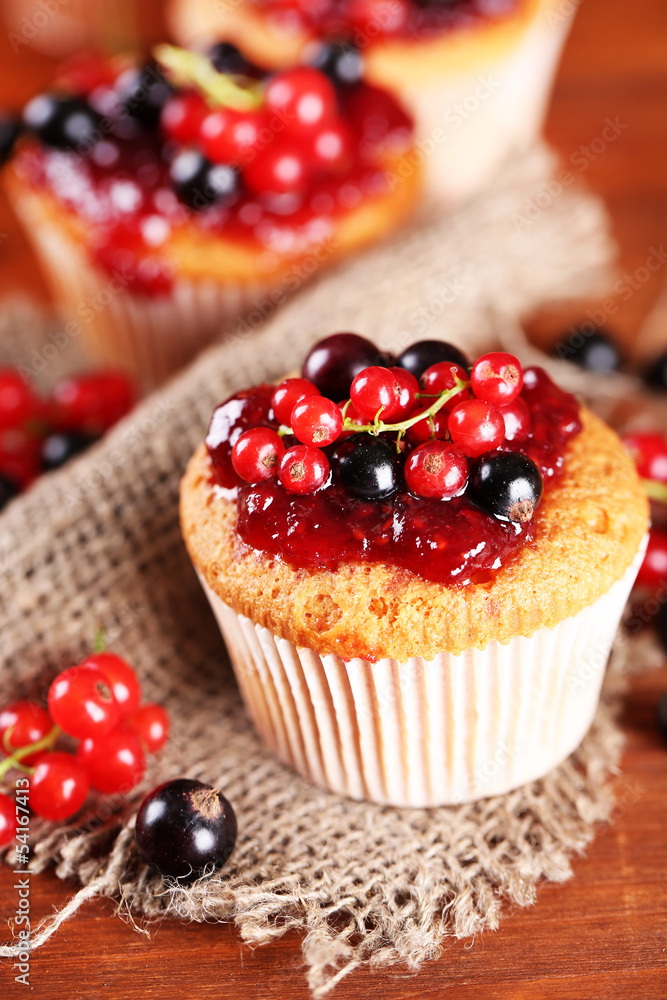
(437, 423)
(649, 450)
(369, 18)
(98, 703)
(37, 434)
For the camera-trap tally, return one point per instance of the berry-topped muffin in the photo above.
(418, 566)
(475, 74)
(188, 196)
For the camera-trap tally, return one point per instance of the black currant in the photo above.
(334, 362)
(185, 828)
(507, 485)
(341, 61)
(8, 490)
(596, 351)
(226, 58)
(367, 467)
(418, 357)
(63, 122)
(656, 373)
(143, 91)
(60, 448)
(661, 715)
(10, 130)
(199, 183)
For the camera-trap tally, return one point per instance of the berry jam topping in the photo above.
(425, 475)
(270, 161)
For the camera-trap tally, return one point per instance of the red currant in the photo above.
(256, 454)
(517, 420)
(317, 421)
(383, 391)
(93, 402)
(228, 136)
(151, 724)
(497, 377)
(476, 427)
(425, 430)
(17, 401)
(121, 678)
(332, 148)
(368, 15)
(278, 169)
(182, 117)
(302, 97)
(20, 456)
(303, 469)
(23, 723)
(59, 786)
(442, 377)
(115, 762)
(436, 470)
(653, 571)
(649, 451)
(7, 819)
(290, 392)
(82, 703)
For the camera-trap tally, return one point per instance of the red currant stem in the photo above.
(655, 490)
(17, 756)
(284, 431)
(220, 90)
(379, 427)
(100, 641)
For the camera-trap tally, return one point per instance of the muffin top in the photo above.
(480, 535)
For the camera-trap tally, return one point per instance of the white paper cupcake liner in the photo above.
(427, 732)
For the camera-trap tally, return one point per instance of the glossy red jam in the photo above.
(450, 542)
(121, 188)
(363, 21)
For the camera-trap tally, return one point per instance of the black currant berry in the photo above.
(63, 122)
(10, 130)
(60, 448)
(367, 467)
(226, 58)
(342, 62)
(507, 485)
(596, 352)
(418, 357)
(656, 373)
(333, 363)
(143, 92)
(185, 828)
(8, 490)
(199, 183)
(661, 715)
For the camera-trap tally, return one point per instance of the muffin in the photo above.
(475, 74)
(168, 205)
(419, 599)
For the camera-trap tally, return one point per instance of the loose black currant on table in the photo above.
(335, 361)
(341, 61)
(60, 448)
(62, 122)
(199, 183)
(596, 352)
(10, 129)
(143, 93)
(420, 356)
(507, 485)
(367, 467)
(656, 373)
(184, 828)
(8, 490)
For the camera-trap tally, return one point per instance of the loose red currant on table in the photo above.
(92, 403)
(151, 724)
(115, 762)
(257, 453)
(7, 819)
(228, 136)
(389, 392)
(436, 470)
(649, 451)
(23, 723)
(303, 97)
(18, 403)
(653, 571)
(290, 392)
(82, 703)
(59, 786)
(20, 456)
(497, 377)
(303, 469)
(316, 421)
(476, 426)
(121, 678)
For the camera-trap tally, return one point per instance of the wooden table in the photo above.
(602, 935)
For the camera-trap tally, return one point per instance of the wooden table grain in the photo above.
(601, 935)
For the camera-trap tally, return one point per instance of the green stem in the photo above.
(379, 427)
(655, 490)
(100, 641)
(221, 90)
(45, 743)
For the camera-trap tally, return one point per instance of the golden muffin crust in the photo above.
(588, 530)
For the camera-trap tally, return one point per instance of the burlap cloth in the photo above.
(98, 545)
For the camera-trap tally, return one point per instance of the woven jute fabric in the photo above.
(97, 545)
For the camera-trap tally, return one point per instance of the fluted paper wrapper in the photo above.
(427, 732)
